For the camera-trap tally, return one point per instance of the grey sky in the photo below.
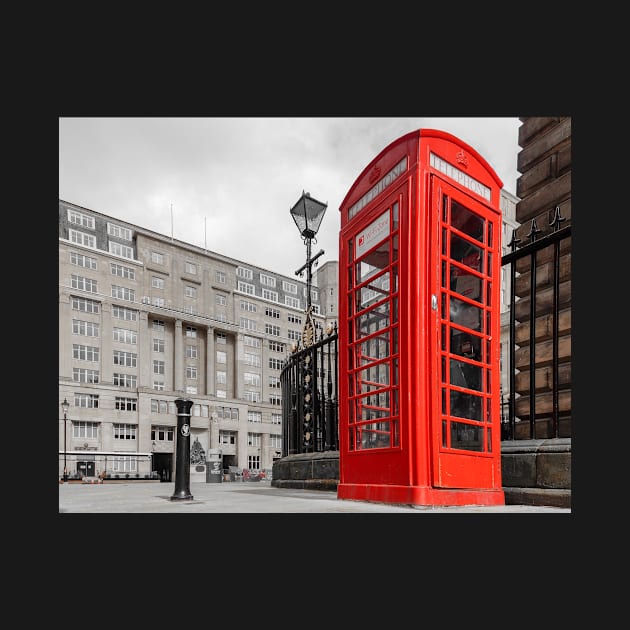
(232, 181)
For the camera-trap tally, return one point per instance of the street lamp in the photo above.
(65, 405)
(308, 214)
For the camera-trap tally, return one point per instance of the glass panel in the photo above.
(465, 375)
(465, 405)
(464, 314)
(372, 292)
(466, 253)
(395, 247)
(444, 433)
(466, 436)
(367, 408)
(375, 435)
(373, 320)
(395, 216)
(465, 221)
(373, 263)
(373, 349)
(373, 378)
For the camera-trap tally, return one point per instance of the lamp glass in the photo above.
(65, 405)
(308, 214)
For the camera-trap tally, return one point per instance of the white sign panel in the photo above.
(373, 234)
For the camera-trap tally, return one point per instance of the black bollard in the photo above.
(182, 463)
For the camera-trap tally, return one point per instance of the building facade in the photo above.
(145, 319)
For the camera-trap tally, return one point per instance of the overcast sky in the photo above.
(233, 181)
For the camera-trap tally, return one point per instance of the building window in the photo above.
(272, 312)
(294, 335)
(191, 389)
(254, 416)
(276, 418)
(83, 220)
(81, 375)
(252, 396)
(253, 439)
(272, 296)
(275, 399)
(157, 282)
(191, 331)
(121, 312)
(125, 431)
(158, 325)
(126, 404)
(190, 292)
(289, 287)
(250, 378)
(272, 329)
(275, 441)
(221, 393)
(123, 293)
(125, 463)
(158, 301)
(243, 272)
(244, 287)
(191, 352)
(85, 353)
(227, 413)
(125, 380)
(221, 338)
(157, 258)
(81, 238)
(85, 430)
(274, 381)
(275, 364)
(219, 276)
(191, 268)
(124, 251)
(86, 329)
(291, 301)
(81, 260)
(276, 346)
(158, 366)
(221, 377)
(162, 434)
(122, 271)
(87, 401)
(86, 305)
(125, 359)
(191, 371)
(221, 357)
(159, 406)
(252, 342)
(227, 437)
(251, 359)
(220, 299)
(84, 284)
(294, 319)
(246, 305)
(158, 344)
(124, 335)
(248, 324)
(158, 386)
(118, 232)
(269, 281)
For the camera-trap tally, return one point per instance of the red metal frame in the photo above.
(412, 226)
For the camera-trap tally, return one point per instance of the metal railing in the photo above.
(539, 397)
(310, 397)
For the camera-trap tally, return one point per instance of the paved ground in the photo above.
(243, 497)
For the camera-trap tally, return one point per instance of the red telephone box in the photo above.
(419, 283)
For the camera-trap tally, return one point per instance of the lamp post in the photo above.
(65, 405)
(308, 214)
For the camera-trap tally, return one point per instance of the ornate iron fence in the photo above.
(310, 396)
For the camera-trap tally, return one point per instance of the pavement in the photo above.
(246, 497)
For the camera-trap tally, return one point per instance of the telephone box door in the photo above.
(465, 345)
